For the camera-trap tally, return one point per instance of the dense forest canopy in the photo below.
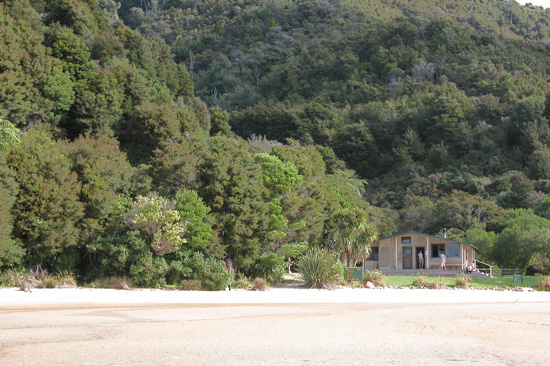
(167, 139)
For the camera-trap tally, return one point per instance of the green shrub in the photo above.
(545, 284)
(112, 256)
(259, 284)
(66, 279)
(191, 285)
(242, 282)
(10, 277)
(178, 271)
(462, 280)
(420, 280)
(271, 267)
(217, 277)
(191, 265)
(376, 277)
(436, 283)
(49, 282)
(149, 271)
(320, 269)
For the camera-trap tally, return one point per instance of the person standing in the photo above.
(420, 260)
(443, 260)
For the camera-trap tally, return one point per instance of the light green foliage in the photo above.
(193, 211)
(160, 223)
(9, 135)
(524, 236)
(464, 211)
(293, 251)
(279, 178)
(59, 88)
(73, 53)
(483, 240)
(306, 159)
(277, 175)
(11, 277)
(543, 208)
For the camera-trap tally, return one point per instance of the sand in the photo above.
(274, 327)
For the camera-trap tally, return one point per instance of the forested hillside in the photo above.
(167, 139)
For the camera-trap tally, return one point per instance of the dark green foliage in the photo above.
(81, 15)
(113, 255)
(103, 172)
(442, 105)
(10, 252)
(47, 208)
(234, 191)
(219, 122)
(176, 164)
(271, 267)
(149, 271)
(191, 265)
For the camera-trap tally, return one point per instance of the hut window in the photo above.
(452, 251)
(405, 240)
(373, 254)
(437, 249)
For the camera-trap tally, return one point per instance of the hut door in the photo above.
(407, 258)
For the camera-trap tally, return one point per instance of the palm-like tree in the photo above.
(353, 234)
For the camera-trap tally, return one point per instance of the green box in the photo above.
(353, 274)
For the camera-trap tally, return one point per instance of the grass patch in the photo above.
(497, 283)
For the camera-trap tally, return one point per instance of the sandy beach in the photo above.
(274, 327)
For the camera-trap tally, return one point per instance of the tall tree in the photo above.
(47, 209)
(10, 251)
(104, 173)
(233, 189)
